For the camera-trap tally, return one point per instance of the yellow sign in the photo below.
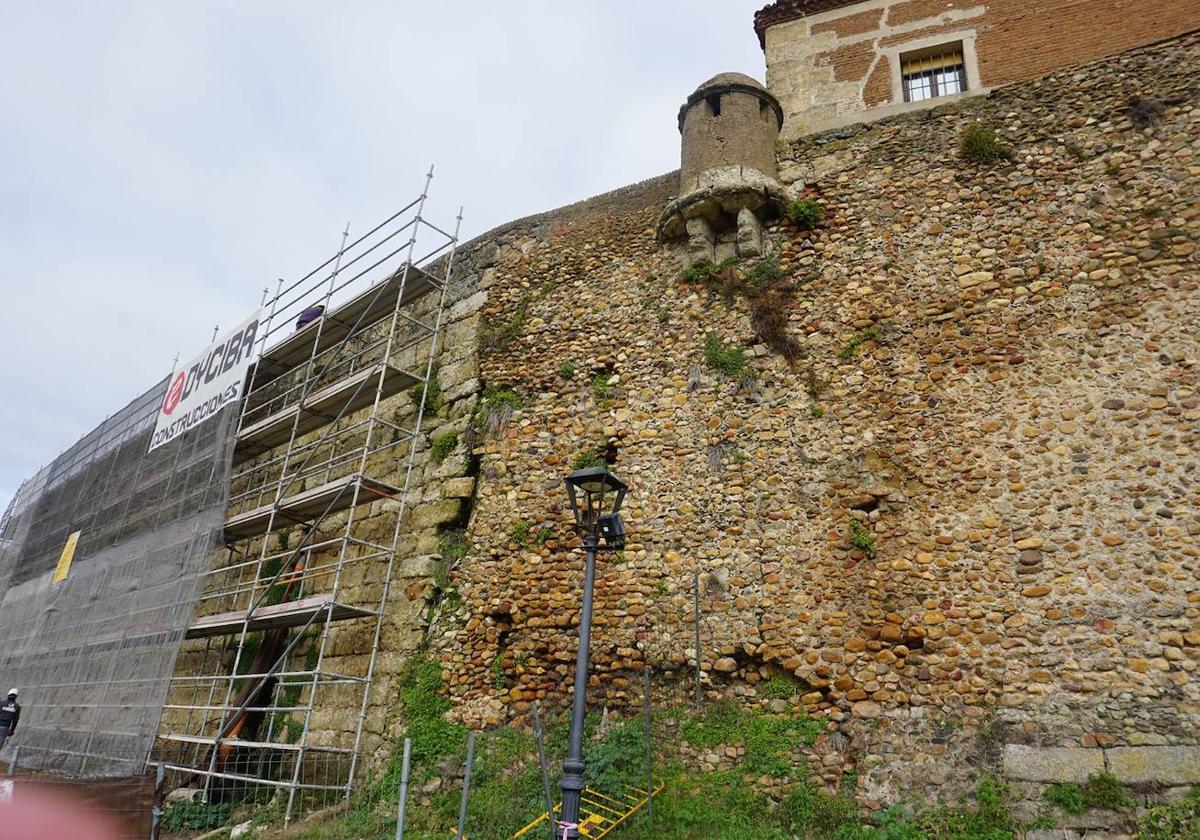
(64, 559)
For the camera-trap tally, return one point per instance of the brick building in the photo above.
(834, 62)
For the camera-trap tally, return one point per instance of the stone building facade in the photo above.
(832, 62)
(962, 521)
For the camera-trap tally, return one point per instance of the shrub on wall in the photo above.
(805, 213)
(979, 143)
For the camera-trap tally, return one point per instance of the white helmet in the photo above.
(12, 692)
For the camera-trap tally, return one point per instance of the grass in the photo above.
(443, 445)
(805, 213)
(862, 539)
(1102, 790)
(979, 143)
(454, 545)
(429, 394)
(506, 790)
(496, 408)
(196, 816)
(779, 687)
(587, 459)
(871, 333)
(704, 271)
(566, 370)
(1172, 822)
(770, 743)
(725, 358)
(520, 532)
(497, 334)
(765, 271)
(601, 389)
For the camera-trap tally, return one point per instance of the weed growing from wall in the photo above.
(979, 143)
(443, 445)
(805, 213)
(496, 408)
(1144, 111)
(725, 358)
(862, 539)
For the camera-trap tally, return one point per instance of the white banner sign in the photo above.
(212, 381)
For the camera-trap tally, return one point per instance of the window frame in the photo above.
(956, 43)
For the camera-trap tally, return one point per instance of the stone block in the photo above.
(1051, 764)
(1166, 765)
(701, 241)
(749, 234)
(459, 488)
(434, 513)
(1051, 834)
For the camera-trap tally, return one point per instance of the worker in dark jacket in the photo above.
(10, 715)
(309, 315)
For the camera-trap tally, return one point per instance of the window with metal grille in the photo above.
(937, 71)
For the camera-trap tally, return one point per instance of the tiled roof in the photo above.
(782, 11)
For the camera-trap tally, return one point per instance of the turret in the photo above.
(728, 176)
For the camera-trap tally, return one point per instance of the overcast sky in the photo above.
(163, 161)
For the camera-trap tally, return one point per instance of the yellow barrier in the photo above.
(600, 813)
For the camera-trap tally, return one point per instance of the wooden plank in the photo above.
(287, 614)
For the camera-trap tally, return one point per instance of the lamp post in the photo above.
(596, 496)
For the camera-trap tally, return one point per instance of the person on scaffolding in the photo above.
(309, 315)
(10, 714)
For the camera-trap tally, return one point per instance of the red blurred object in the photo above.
(38, 814)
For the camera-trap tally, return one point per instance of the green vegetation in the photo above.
(805, 213)
(506, 789)
(726, 358)
(566, 370)
(765, 271)
(704, 271)
(771, 743)
(496, 407)
(601, 389)
(861, 538)
(520, 532)
(871, 333)
(1102, 790)
(586, 459)
(779, 687)
(979, 143)
(196, 816)
(429, 397)
(499, 678)
(1176, 821)
(497, 334)
(443, 445)
(454, 545)
(816, 411)
(542, 536)
(1066, 796)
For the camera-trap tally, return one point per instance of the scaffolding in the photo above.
(101, 556)
(272, 689)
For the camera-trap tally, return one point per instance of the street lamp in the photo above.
(596, 496)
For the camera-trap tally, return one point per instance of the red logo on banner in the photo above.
(174, 395)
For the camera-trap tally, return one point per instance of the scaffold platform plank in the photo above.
(360, 311)
(330, 497)
(259, 745)
(275, 616)
(355, 392)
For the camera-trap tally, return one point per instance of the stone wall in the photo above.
(830, 63)
(997, 390)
